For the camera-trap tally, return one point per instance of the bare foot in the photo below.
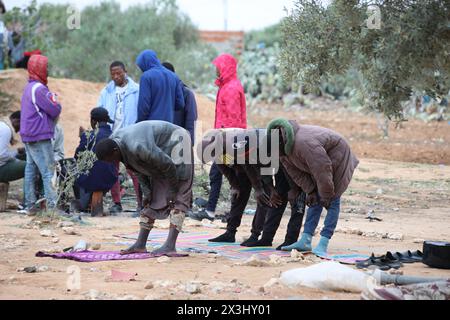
(164, 250)
(133, 249)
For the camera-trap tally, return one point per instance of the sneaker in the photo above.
(200, 215)
(115, 208)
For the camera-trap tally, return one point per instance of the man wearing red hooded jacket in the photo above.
(37, 126)
(230, 113)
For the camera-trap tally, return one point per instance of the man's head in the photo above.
(118, 73)
(108, 150)
(169, 66)
(99, 115)
(15, 120)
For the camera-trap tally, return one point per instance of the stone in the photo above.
(46, 233)
(93, 294)
(418, 240)
(30, 269)
(395, 236)
(193, 288)
(297, 255)
(163, 259)
(164, 283)
(128, 297)
(42, 269)
(379, 191)
(70, 231)
(55, 240)
(276, 260)
(63, 224)
(253, 261)
(149, 285)
(272, 282)
(261, 290)
(95, 246)
(52, 250)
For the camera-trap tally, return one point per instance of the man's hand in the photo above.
(275, 199)
(171, 197)
(147, 200)
(262, 198)
(312, 199)
(20, 151)
(325, 203)
(234, 194)
(81, 131)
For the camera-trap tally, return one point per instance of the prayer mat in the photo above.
(95, 256)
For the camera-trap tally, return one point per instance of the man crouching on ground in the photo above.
(161, 155)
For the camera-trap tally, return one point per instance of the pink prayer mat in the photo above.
(95, 256)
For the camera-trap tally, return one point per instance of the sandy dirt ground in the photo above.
(405, 180)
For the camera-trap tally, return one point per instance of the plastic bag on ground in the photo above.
(327, 276)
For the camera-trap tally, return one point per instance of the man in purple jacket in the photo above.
(37, 127)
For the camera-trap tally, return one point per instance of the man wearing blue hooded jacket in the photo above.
(160, 93)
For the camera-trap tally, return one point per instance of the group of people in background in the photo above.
(134, 124)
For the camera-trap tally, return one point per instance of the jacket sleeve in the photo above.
(46, 102)
(102, 99)
(5, 137)
(145, 99)
(191, 114)
(321, 168)
(82, 146)
(179, 96)
(161, 162)
(58, 143)
(300, 178)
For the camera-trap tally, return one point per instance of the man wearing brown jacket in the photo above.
(320, 162)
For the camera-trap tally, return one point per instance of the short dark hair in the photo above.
(169, 66)
(104, 148)
(117, 64)
(15, 115)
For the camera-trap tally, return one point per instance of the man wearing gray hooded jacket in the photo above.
(161, 155)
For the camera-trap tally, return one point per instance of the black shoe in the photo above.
(200, 202)
(226, 237)
(285, 244)
(250, 242)
(115, 208)
(200, 215)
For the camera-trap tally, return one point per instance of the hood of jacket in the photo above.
(37, 68)
(227, 66)
(147, 59)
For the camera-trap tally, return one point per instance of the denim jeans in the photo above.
(215, 181)
(331, 219)
(40, 159)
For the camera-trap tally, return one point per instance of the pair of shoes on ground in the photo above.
(384, 263)
(391, 260)
(407, 256)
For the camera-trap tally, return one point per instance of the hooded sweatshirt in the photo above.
(230, 103)
(160, 90)
(39, 106)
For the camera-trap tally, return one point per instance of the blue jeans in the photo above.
(40, 159)
(331, 219)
